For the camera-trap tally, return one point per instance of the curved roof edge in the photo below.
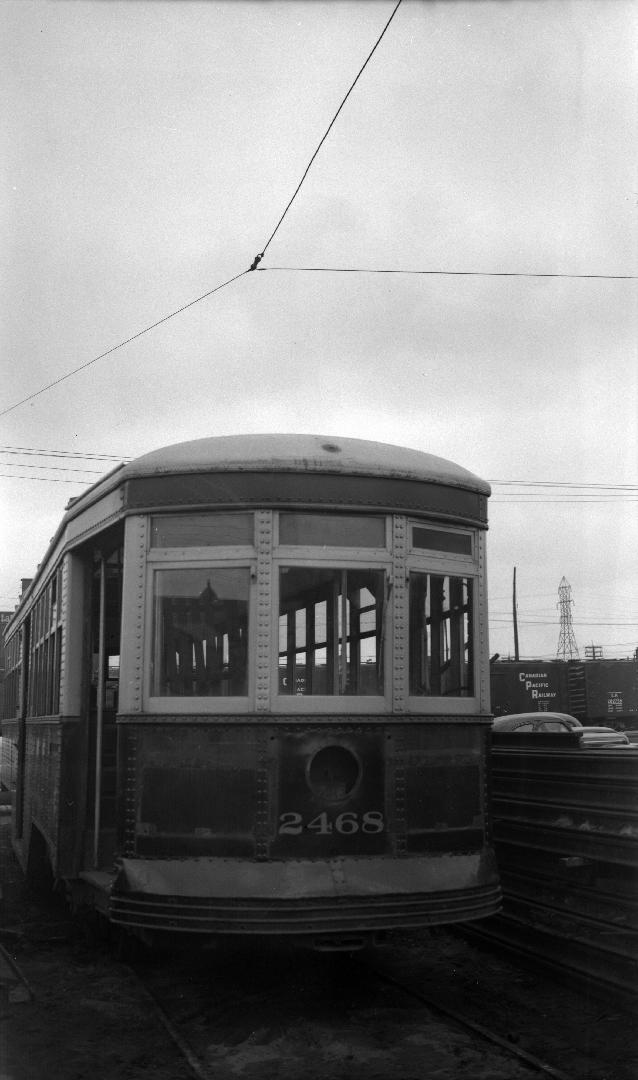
(321, 454)
(289, 453)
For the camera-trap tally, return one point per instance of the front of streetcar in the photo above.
(303, 714)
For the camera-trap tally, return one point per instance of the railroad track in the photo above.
(444, 1031)
(422, 999)
(536, 1065)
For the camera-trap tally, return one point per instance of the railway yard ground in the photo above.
(422, 1005)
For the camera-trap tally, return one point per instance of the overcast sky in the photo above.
(149, 150)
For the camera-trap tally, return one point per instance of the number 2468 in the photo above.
(347, 824)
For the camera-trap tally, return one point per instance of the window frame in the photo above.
(188, 558)
(446, 564)
(397, 565)
(454, 558)
(156, 516)
(298, 550)
(45, 650)
(295, 556)
(14, 659)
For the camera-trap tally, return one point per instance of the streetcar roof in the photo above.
(318, 454)
(293, 453)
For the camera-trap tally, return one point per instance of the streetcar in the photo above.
(249, 691)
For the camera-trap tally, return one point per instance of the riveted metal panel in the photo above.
(42, 778)
(481, 630)
(127, 777)
(63, 601)
(400, 643)
(281, 489)
(323, 782)
(190, 790)
(271, 791)
(132, 647)
(395, 751)
(72, 796)
(320, 813)
(73, 636)
(264, 779)
(443, 778)
(264, 534)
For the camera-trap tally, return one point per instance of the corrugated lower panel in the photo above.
(565, 842)
(309, 916)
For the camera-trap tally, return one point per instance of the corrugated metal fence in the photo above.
(566, 835)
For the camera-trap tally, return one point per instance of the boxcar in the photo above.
(249, 690)
(594, 691)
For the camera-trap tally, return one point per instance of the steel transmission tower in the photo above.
(567, 647)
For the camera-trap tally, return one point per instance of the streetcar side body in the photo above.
(249, 688)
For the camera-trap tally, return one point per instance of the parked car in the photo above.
(591, 737)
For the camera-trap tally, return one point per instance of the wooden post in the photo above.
(515, 617)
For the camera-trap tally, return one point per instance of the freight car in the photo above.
(249, 689)
(594, 691)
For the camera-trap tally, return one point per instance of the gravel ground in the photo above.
(281, 1014)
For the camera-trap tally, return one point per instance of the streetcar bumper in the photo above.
(336, 896)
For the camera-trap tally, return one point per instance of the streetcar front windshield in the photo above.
(331, 630)
(200, 630)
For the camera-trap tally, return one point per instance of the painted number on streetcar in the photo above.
(347, 824)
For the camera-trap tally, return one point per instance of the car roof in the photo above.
(513, 720)
(594, 737)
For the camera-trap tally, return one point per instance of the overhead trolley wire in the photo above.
(230, 280)
(121, 344)
(321, 269)
(563, 502)
(259, 257)
(48, 479)
(55, 468)
(563, 484)
(444, 273)
(35, 451)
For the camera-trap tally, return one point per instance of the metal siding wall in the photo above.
(612, 690)
(42, 781)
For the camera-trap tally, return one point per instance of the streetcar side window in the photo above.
(45, 656)
(441, 636)
(452, 543)
(11, 685)
(202, 530)
(331, 627)
(332, 530)
(200, 632)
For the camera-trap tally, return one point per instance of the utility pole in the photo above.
(593, 652)
(567, 647)
(514, 617)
